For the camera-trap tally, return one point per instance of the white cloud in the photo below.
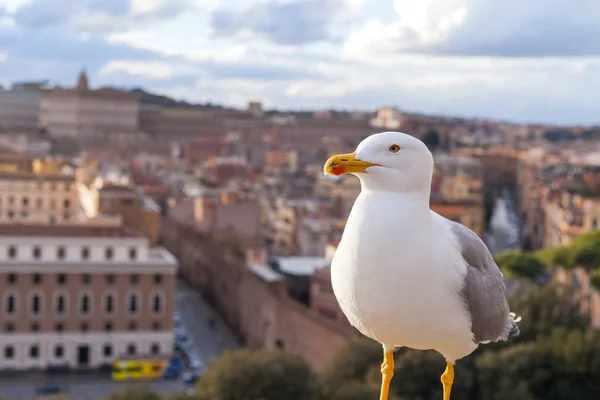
(3, 57)
(160, 70)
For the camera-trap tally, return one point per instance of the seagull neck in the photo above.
(416, 201)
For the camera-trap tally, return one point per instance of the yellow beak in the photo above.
(345, 164)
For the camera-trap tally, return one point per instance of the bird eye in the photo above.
(394, 148)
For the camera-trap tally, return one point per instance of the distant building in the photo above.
(82, 297)
(138, 212)
(255, 108)
(84, 112)
(34, 192)
(388, 118)
(19, 110)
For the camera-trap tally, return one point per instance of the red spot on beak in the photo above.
(338, 170)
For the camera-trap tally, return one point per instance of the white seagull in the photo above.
(404, 275)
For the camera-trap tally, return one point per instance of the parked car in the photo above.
(195, 362)
(51, 389)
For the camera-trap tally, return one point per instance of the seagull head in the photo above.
(388, 161)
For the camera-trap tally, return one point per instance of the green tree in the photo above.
(351, 364)
(134, 392)
(520, 264)
(545, 308)
(257, 375)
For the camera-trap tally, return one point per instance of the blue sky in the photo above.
(534, 60)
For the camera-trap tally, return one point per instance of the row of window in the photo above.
(132, 326)
(24, 214)
(61, 252)
(59, 351)
(40, 185)
(86, 279)
(39, 202)
(85, 305)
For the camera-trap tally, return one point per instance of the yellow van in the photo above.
(137, 369)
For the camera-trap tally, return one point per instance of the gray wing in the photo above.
(484, 291)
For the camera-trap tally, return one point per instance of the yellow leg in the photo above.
(448, 379)
(387, 372)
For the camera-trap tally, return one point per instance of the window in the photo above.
(61, 279)
(67, 203)
(108, 327)
(157, 279)
(11, 200)
(11, 278)
(155, 348)
(59, 327)
(85, 304)
(11, 215)
(39, 203)
(53, 186)
(107, 350)
(132, 326)
(52, 220)
(156, 326)
(109, 304)
(134, 278)
(9, 352)
(108, 253)
(60, 253)
(132, 253)
(36, 304)
(156, 303)
(110, 279)
(11, 304)
(52, 204)
(131, 349)
(35, 327)
(37, 252)
(60, 303)
(24, 214)
(36, 279)
(86, 279)
(59, 351)
(133, 304)
(25, 201)
(34, 351)
(83, 327)
(12, 252)
(85, 253)
(10, 327)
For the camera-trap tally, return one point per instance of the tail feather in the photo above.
(513, 331)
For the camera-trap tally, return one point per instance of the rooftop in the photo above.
(67, 231)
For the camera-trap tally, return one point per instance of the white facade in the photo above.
(22, 357)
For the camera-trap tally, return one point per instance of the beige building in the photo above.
(84, 112)
(82, 297)
(36, 192)
(389, 118)
(137, 211)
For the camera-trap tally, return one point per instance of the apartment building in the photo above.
(82, 297)
(35, 192)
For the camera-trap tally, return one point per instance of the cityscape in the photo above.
(135, 227)
(167, 230)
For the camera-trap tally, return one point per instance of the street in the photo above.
(503, 233)
(206, 330)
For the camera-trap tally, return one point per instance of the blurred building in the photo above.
(84, 112)
(19, 110)
(137, 211)
(32, 191)
(389, 118)
(82, 297)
